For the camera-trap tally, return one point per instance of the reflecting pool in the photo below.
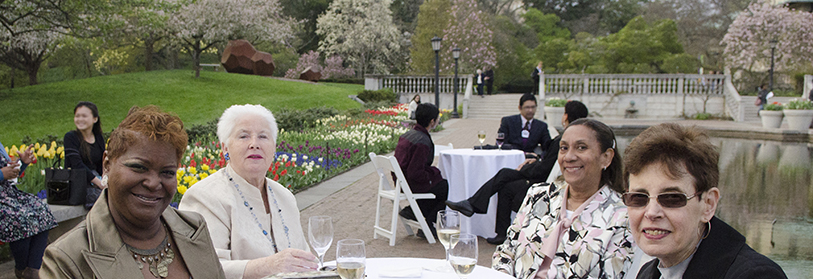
(767, 195)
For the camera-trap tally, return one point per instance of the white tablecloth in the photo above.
(467, 170)
(375, 266)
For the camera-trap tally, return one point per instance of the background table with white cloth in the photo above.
(466, 170)
(419, 268)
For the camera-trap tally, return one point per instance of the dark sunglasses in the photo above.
(667, 200)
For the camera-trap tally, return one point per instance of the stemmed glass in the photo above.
(500, 139)
(350, 258)
(463, 255)
(482, 137)
(448, 225)
(320, 232)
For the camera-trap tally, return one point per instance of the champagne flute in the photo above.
(482, 137)
(463, 255)
(350, 258)
(320, 232)
(500, 139)
(448, 225)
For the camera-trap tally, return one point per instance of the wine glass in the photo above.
(482, 137)
(350, 258)
(320, 232)
(463, 255)
(500, 139)
(448, 224)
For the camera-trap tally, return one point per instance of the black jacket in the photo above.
(722, 255)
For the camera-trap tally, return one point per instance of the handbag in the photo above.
(65, 186)
(758, 102)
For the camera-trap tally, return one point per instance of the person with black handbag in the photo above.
(85, 146)
(24, 218)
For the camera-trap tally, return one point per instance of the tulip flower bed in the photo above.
(302, 159)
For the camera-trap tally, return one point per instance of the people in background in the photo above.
(253, 220)
(131, 231)
(512, 184)
(535, 76)
(481, 79)
(762, 96)
(25, 218)
(415, 152)
(576, 228)
(671, 174)
(524, 132)
(85, 146)
(413, 105)
(489, 77)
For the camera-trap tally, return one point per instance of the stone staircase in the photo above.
(751, 110)
(494, 106)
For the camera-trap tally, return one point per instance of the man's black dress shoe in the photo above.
(464, 207)
(497, 240)
(408, 214)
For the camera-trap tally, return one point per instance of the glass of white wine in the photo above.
(463, 255)
(448, 225)
(320, 233)
(481, 136)
(350, 258)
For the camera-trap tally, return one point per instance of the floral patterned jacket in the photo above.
(597, 243)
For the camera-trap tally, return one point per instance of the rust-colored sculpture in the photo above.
(310, 75)
(241, 57)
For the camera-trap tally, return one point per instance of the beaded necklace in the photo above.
(158, 258)
(268, 235)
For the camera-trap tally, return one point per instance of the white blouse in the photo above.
(236, 236)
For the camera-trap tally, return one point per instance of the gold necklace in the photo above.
(157, 258)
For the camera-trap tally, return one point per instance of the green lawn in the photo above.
(48, 108)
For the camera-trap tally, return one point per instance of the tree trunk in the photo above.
(32, 68)
(149, 48)
(12, 77)
(196, 59)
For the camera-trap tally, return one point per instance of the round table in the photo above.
(466, 170)
(408, 267)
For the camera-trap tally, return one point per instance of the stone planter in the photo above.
(770, 118)
(799, 119)
(554, 116)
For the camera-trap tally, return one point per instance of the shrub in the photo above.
(800, 104)
(385, 94)
(202, 131)
(775, 106)
(555, 102)
(297, 120)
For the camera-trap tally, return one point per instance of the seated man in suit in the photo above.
(524, 132)
(415, 152)
(512, 184)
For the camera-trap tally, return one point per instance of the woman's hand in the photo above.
(98, 183)
(27, 156)
(10, 171)
(288, 260)
(527, 161)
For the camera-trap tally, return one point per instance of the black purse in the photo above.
(65, 186)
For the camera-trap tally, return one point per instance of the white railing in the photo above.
(692, 84)
(414, 84)
(733, 101)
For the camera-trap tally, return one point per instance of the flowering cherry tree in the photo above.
(201, 24)
(335, 69)
(308, 59)
(747, 44)
(361, 31)
(468, 30)
(333, 66)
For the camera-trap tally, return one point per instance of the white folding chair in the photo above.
(386, 166)
(439, 148)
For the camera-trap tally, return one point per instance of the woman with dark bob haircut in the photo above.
(671, 174)
(574, 228)
(131, 232)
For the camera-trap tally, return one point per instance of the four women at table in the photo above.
(85, 146)
(131, 232)
(672, 173)
(574, 228)
(253, 220)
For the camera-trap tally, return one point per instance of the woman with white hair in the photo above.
(253, 220)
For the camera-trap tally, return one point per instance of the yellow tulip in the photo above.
(60, 149)
(61, 154)
(53, 144)
(180, 172)
(204, 175)
(204, 167)
(193, 170)
(212, 171)
(36, 145)
(187, 179)
(41, 152)
(193, 182)
(13, 151)
(182, 189)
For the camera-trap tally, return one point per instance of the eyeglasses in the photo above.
(667, 200)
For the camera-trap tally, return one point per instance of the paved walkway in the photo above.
(351, 196)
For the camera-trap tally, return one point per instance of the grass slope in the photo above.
(48, 108)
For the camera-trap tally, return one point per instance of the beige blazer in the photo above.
(93, 249)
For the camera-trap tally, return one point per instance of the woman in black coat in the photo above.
(85, 146)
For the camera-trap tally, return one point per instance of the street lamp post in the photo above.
(455, 55)
(436, 48)
(773, 43)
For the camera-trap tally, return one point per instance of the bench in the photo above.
(216, 66)
(68, 216)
